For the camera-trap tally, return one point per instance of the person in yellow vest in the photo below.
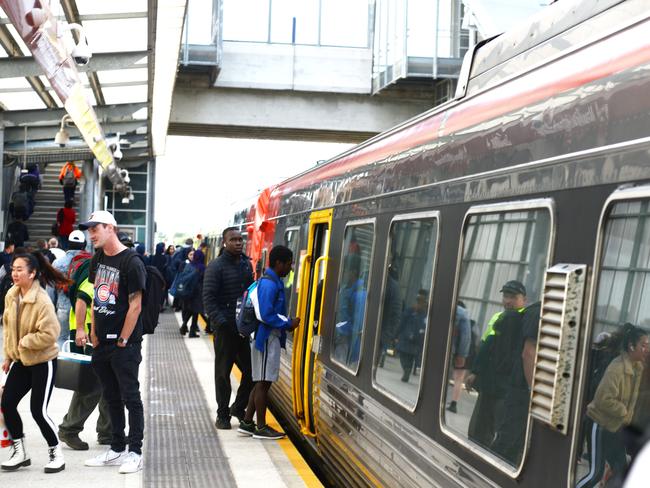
(483, 377)
(83, 404)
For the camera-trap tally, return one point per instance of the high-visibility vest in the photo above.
(490, 328)
(87, 288)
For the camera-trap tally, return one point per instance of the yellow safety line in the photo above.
(298, 462)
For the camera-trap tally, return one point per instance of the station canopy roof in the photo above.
(129, 79)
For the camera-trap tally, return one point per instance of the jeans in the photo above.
(117, 370)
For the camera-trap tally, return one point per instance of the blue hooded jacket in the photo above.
(273, 310)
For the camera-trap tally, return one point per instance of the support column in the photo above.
(2, 197)
(151, 206)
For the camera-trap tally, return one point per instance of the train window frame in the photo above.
(484, 454)
(427, 215)
(354, 223)
(621, 194)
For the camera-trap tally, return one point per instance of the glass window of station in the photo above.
(351, 297)
(404, 319)
(341, 23)
(494, 327)
(291, 241)
(617, 383)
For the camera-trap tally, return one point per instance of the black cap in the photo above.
(125, 239)
(514, 286)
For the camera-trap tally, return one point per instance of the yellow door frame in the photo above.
(305, 334)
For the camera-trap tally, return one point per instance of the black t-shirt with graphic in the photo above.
(114, 279)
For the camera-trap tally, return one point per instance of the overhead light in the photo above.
(62, 137)
(131, 196)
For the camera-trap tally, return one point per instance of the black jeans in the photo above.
(38, 378)
(231, 348)
(117, 370)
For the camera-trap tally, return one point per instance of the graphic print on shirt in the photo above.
(107, 282)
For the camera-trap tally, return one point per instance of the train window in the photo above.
(493, 334)
(291, 241)
(408, 281)
(617, 392)
(351, 295)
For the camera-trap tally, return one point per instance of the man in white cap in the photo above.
(76, 253)
(119, 279)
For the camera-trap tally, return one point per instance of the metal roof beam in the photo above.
(72, 15)
(91, 17)
(43, 133)
(26, 66)
(121, 112)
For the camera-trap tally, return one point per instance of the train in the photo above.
(537, 172)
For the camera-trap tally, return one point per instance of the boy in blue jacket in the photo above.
(270, 337)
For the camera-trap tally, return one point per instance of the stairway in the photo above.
(49, 199)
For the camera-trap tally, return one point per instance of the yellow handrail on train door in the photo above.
(309, 429)
(297, 358)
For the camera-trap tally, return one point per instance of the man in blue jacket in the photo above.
(270, 337)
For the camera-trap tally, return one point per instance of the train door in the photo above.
(307, 337)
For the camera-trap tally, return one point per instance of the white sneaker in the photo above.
(109, 458)
(132, 463)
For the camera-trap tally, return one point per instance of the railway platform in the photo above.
(182, 446)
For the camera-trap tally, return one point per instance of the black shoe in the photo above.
(267, 433)
(223, 424)
(183, 329)
(247, 428)
(239, 414)
(405, 378)
(73, 441)
(452, 407)
(193, 334)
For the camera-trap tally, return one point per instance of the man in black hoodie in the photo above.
(226, 279)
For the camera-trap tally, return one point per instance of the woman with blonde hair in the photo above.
(30, 333)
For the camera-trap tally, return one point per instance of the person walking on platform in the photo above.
(192, 301)
(30, 351)
(72, 259)
(68, 178)
(119, 278)
(53, 246)
(81, 293)
(270, 337)
(226, 279)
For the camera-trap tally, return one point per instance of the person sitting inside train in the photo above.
(411, 334)
(350, 313)
(489, 375)
(613, 407)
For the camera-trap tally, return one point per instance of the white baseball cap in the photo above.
(77, 236)
(98, 217)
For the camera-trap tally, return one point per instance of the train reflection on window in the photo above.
(404, 318)
(494, 331)
(351, 295)
(617, 392)
(291, 241)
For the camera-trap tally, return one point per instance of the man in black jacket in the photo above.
(226, 279)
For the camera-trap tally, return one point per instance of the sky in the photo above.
(201, 181)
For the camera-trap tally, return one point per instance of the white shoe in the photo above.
(18, 456)
(109, 458)
(132, 463)
(57, 463)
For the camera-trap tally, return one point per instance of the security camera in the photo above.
(125, 200)
(81, 52)
(117, 152)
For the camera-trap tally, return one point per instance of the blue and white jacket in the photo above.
(272, 310)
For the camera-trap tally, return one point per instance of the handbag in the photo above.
(5, 438)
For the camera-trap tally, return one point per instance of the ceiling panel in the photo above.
(9, 83)
(90, 7)
(123, 76)
(105, 36)
(126, 94)
(21, 101)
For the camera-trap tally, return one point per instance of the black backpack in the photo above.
(152, 295)
(20, 203)
(5, 284)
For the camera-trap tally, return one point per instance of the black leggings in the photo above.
(38, 378)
